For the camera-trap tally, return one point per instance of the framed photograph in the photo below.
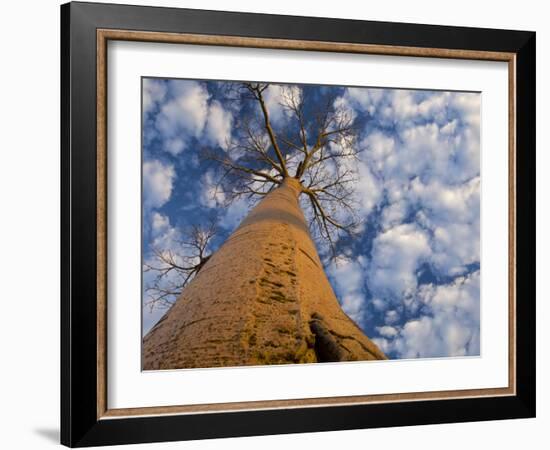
(277, 224)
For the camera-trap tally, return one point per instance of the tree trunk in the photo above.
(262, 298)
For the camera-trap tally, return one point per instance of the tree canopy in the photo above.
(316, 144)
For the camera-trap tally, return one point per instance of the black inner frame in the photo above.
(79, 424)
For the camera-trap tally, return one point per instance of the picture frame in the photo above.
(86, 418)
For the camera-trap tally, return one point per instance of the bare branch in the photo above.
(258, 90)
(172, 272)
(239, 168)
(317, 142)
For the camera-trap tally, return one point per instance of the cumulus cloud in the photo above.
(428, 165)
(164, 235)
(449, 328)
(211, 195)
(219, 124)
(154, 92)
(422, 150)
(158, 181)
(406, 105)
(367, 100)
(159, 223)
(391, 316)
(273, 97)
(387, 331)
(380, 150)
(347, 277)
(402, 107)
(184, 115)
(174, 146)
(368, 189)
(180, 110)
(396, 256)
(469, 104)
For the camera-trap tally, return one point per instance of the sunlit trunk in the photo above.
(262, 298)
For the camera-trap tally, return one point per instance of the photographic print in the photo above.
(299, 223)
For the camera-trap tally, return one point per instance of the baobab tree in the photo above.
(263, 297)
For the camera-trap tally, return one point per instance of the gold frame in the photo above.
(104, 35)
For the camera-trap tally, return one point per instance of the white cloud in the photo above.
(407, 106)
(159, 223)
(396, 256)
(449, 127)
(165, 237)
(185, 114)
(380, 150)
(423, 151)
(211, 195)
(366, 99)
(428, 167)
(455, 247)
(452, 202)
(154, 92)
(387, 331)
(185, 110)
(394, 214)
(274, 96)
(368, 189)
(450, 328)
(379, 304)
(158, 181)
(174, 146)
(469, 104)
(403, 107)
(219, 124)
(391, 316)
(347, 275)
(435, 135)
(452, 213)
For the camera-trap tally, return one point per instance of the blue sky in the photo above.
(411, 277)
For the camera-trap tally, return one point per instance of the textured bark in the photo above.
(262, 298)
